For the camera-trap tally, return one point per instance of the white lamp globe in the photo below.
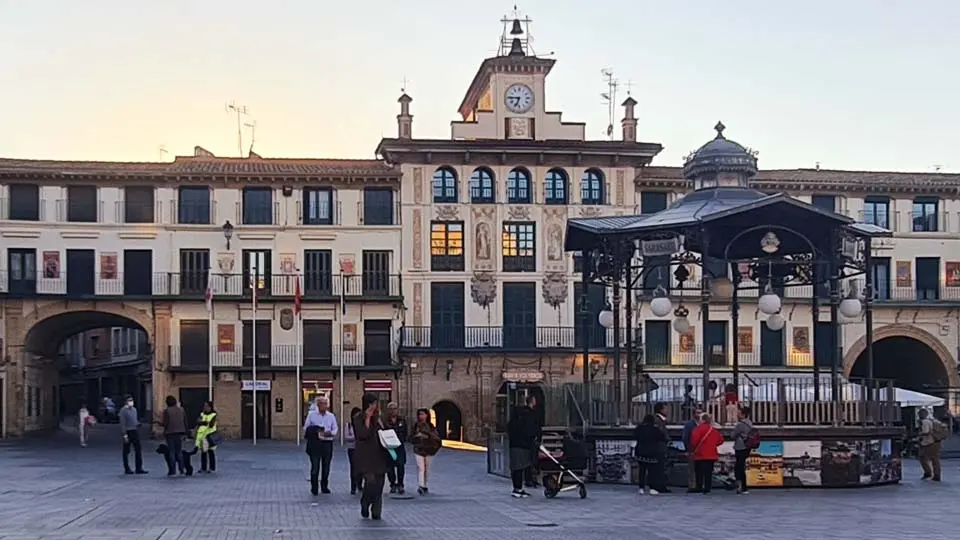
(776, 322)
(769, 303)
(606, 318)
(681, 325)
(850, 307)
(661, 306)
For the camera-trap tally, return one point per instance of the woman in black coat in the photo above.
(370, 457)
(650, 442)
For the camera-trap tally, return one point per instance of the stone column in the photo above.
(15, 361)
(162, 376)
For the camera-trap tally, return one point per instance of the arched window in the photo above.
(518, 187)
(556, 187)
(481, 186)
(591, 187)
(444, 185)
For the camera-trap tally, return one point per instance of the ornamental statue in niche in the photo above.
(554, 243)
(483, 250)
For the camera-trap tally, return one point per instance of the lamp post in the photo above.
(227, 232)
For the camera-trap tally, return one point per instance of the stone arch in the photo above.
(50, 324)
(449, 419)
(904, 331)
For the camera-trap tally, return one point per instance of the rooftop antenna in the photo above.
(610, 98)
(239, 110)
(162, 149)
(253, 135)
(403, 85)
(937, 168)
(516, 40)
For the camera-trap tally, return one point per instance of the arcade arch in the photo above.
(912, 357)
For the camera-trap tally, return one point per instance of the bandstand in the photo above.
(721, 244)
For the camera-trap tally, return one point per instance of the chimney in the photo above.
(404, 119)
(629, 122)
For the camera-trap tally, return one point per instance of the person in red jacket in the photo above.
(705, 440)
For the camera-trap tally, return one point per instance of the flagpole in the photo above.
(253, 343)
(299, 353)
(209, 325)
(343, 313)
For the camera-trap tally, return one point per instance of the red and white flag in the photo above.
(208, 295)
(296, 298)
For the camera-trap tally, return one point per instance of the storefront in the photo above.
(311, 390)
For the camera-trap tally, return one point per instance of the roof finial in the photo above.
(719, 127)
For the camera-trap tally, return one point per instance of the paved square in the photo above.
(52, 489)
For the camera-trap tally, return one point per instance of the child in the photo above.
(732, 403)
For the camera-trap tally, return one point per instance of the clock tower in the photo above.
(505, 101)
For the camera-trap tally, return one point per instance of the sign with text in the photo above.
(660, 247)
(259, 386)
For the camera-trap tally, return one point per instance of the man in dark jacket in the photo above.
(659, 470)
(174, 423)
(523, 430)
(687, 431)
(370, 457)
(396, 470)
(530, 475)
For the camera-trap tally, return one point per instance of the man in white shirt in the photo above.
(320, 429)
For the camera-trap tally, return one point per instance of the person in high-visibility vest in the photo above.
(206, 438)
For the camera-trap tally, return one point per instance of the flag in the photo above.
(296, 298)
(208, 295)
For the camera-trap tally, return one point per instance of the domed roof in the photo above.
(720, 155)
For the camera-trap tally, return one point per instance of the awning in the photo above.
(378, 385)
(316, 385)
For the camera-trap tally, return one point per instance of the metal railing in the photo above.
(383, 214)
(192, 213)
(11, 210)
(471, 338)
(235, 355)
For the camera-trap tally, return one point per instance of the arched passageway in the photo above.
(45, 336)
(449, 420)
(907, 361)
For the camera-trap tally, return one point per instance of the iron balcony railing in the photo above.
(313, 286)
(512, 338)
(239, 356)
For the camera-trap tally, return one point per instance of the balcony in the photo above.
(281, 357)
(137, 212)
(193, 285)
(193, 213)
(253, 214)
(70, 211)
(911, 292)
(376, 213)
(16, 210)
(691, 357)
(498, 338)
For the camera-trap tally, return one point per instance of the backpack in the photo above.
(752, 440)
(939, 431)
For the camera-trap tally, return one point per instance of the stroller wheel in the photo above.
(549, 493)
(583, 491)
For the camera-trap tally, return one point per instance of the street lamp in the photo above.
(660, 305)
(228, 232)
(681, 323)
(851, 306)
(606, 318)
(769, 303)
(776, 322)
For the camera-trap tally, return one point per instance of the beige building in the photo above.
(92, 245)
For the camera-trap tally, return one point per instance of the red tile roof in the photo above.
(846, 180)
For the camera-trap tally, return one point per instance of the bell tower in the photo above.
(404, 119)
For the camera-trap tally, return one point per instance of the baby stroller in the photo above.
(555, 469)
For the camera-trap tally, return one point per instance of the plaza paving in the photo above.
(53, 489)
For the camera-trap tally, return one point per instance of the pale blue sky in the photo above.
(857, 84)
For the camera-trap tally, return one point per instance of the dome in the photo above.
(720, 163)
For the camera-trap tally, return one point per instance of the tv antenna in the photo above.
(610, 98)
(162, 149)
(253, 135)
(240, 111)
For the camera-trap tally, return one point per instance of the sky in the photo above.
(851, 84)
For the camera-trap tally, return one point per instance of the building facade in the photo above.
(141, 246)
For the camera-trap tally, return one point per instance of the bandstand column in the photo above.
(628, 326)
(617, 397)
(704, 314)
(585, 333)
(735, 322)
(835, 296)
(868, 314)
(815, 313)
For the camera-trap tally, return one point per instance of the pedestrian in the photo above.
(649, 439)
(932, 434)
(85, 422)
(522, 432)
(531, 475)
(371, 456)
(130, 427)
(356, 480)
(206, 439)
(688, 428)
(705, 440)
(426, 444)
(174, 424)
(742, 446)
(659, 470)
(731, 403)
(397, 469)
(326, 428)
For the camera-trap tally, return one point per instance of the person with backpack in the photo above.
(932, 435)
(746, 438)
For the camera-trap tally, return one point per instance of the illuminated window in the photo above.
(519, 245)
(446, 246)
(518, 187)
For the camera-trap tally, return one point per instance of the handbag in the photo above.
(214, 439)
(389, 439)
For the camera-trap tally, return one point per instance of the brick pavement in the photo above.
(52, 489)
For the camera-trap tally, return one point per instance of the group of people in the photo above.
(376, 449)
(701, 440)
(173, 421)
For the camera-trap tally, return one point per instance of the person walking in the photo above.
(705, 440)
(206, 440)
(426, 444)
(532, 474)
(397, 470)
(659, 470)
(522, 432)
(649, 439)
(932, 434)
(85, 420)
(174, 422)
(326, 428)
(356, 481)
(371, 457)
(688, 428)
(130, 427)
(742, 446)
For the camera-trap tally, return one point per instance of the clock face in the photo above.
(518, 98)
